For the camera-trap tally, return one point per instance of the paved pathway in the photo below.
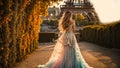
(95, 56)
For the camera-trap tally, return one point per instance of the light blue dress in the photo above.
(66, 53)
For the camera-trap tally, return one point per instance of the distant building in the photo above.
(53, 13)
(81, 6)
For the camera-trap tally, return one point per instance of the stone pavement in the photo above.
(95, 56)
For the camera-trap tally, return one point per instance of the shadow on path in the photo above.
(95, 56)
(101, 57)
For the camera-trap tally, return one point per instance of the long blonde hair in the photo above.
(65, 20)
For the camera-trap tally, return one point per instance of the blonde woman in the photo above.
(66, 53)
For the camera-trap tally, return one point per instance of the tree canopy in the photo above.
(44, 4)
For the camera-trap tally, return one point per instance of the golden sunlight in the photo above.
(107, 10)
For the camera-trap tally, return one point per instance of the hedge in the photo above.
(107, 35)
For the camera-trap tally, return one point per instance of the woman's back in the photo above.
(66, 53)
(70, 27)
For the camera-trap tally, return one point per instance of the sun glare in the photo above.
(107, 10)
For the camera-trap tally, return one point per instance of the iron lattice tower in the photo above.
(81, 6)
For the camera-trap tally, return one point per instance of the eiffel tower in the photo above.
(81, 6)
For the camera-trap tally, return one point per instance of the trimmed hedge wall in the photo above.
(52, 36)
(50, 22)
(47, 37)
(107, 35)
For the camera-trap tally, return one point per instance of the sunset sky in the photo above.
(107, 10)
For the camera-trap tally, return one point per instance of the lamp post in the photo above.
(51, 15)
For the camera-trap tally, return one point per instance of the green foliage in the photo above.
(84, 22)
(19, 26)
(80, 17)
(51, 22)
(105, 34)
(44, 5)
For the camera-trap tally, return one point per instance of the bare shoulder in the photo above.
(72, 21)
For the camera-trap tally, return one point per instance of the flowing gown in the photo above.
(66, 53)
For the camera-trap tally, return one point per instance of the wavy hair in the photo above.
(65, 20)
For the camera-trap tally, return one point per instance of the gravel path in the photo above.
(95, 56)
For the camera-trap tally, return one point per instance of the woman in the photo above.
(66, 53)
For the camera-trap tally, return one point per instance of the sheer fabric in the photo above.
(66, 53)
